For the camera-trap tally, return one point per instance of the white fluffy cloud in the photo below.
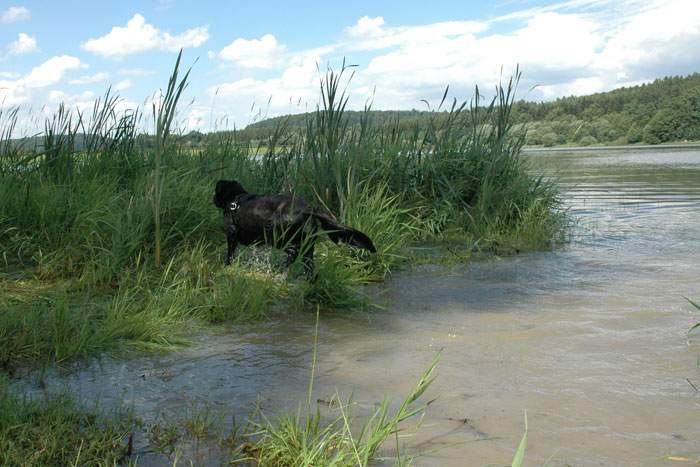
(298, 81)
(23, 45)
(11, 93)
(51, 71)
(664, 38)
(15, 92)
(82, 102)
(14, 14)
(370, 34)
(90, 79)
(196, 119)
(123, 85)
(420, 61)
(579, 86)
(139, 36)
(561, 50)
(291, 92)
(265, 52)
(366, 27)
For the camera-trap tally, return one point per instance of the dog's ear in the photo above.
(225, 191)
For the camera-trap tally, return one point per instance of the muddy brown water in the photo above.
(590, 339)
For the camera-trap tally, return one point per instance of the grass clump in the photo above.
(372, 209)
(239, 295)
(56, 431)
(57, 326)
(296, 439)
(339, 276)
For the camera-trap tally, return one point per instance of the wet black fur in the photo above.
(283, 221)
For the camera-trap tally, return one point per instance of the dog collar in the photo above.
(233, 206)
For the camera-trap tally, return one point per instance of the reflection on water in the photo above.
(589, 339)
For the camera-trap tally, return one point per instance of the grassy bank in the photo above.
(114, 242)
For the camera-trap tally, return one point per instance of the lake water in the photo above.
(590, 339)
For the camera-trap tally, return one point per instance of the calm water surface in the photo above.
(590, 339)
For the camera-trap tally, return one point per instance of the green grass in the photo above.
(116, 246)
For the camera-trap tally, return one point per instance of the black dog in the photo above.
(283, 221)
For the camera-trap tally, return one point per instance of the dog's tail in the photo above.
(342, 233)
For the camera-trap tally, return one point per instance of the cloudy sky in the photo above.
(253, 59)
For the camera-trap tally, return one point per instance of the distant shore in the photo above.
(617, 147)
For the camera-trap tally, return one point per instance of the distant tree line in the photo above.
(665, 110)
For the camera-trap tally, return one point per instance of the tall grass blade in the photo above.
(520, 453)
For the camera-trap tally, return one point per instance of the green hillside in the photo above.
(665, 110)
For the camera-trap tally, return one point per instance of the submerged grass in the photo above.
(302, 438)
(306, 440)
(56, 431)
(697, 307)
(305, 437)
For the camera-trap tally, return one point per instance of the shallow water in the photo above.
(590, 339)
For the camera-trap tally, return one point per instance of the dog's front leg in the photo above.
(232, 241)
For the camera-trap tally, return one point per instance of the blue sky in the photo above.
(253, 59)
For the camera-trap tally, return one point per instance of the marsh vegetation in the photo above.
(110, 242)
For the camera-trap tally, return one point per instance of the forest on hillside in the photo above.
(665, 110)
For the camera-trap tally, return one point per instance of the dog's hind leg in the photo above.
(292, 254)
(306, 249)
(308, 260)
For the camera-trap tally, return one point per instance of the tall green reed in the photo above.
(163, 115)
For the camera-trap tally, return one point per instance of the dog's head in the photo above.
(226, 191)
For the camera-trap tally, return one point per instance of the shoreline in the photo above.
(620, 147)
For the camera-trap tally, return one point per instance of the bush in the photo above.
(550, 139)
(587, 141)
(661, 128)
(677, 121)
(635, 134)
